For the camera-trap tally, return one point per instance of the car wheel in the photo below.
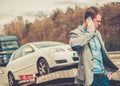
(11, 80)
(42, 67)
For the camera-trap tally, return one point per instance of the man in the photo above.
(94, 64)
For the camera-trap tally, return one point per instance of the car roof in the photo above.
(47, 42)
(44, 43)
(6, 38)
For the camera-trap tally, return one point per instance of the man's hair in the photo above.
(92, 12)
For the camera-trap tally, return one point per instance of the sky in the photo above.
(10, 9)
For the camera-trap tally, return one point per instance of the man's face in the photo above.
(97, 20)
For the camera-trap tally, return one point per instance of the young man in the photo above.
(94, 64)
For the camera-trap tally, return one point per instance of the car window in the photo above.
(27, 50)
(17, 54)
(9, 44)
(23, 51)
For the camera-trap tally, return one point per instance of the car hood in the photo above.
(56, 49)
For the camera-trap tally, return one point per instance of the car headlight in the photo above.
(60, 50)
(55, 50)
(5, 57)
(70, 49)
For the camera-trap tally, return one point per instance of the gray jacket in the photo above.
(79, 41)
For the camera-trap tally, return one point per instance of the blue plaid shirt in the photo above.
(97, 55)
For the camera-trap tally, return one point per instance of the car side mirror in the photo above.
(28, 50)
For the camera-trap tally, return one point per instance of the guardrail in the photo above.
(115, 57)
(114, 52)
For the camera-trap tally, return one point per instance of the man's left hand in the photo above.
(109, 75)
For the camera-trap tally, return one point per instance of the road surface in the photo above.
(3, 77)
(4, 81)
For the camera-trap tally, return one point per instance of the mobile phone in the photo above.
(90, 23)
(89, 20)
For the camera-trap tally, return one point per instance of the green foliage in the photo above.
(57, 26)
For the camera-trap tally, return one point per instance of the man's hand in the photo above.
(90, 24)
(109, 75)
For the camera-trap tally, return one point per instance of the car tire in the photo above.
(11, 80)
(42, 67)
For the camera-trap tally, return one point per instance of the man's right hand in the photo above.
(90, 24)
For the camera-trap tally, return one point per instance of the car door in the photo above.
(23, 61)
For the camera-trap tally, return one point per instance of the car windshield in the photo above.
(47, 44)
(9, 44)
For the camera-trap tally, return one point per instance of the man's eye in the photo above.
(98, 21)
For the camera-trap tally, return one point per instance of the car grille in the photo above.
(60, 61)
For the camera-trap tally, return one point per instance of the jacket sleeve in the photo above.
(79, 38)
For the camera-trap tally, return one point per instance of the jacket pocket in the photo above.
(80, 73)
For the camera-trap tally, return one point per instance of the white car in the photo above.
(39, 58)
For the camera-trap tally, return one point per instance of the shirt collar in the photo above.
(86, 29)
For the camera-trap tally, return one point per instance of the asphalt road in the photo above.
(4, 81)
(3, 77)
